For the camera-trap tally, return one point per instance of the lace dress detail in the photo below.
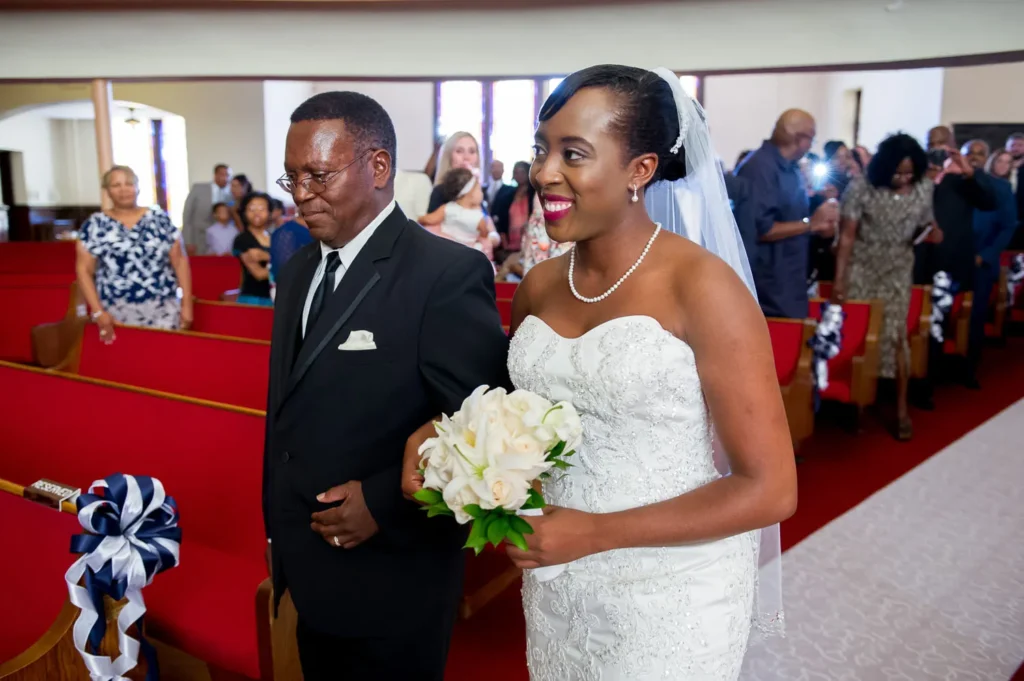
(681, 612)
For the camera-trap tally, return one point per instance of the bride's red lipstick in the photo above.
(555, 207)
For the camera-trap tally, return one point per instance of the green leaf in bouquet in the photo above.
(474, 511)
(438, 509)
(569, 453)
(556, 451)
(562, 465)
(497, 528)
(535, 500)
(477, 536)
(519, 525)
(427, 496)
(516, 538)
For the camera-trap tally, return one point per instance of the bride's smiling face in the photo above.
(580, 170)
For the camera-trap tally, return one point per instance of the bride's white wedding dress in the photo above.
(681, 612)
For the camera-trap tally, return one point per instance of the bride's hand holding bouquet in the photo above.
(483, 462)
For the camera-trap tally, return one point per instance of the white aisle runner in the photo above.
(923, 580)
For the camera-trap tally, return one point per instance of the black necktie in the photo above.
(325, 288)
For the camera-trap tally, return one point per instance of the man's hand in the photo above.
(348, 525)
(956, 164)
(825, 219)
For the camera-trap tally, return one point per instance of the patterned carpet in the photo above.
(921, 581)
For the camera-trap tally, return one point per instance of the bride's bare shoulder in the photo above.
(535, 286)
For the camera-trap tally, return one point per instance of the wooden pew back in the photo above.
(38, 257)
(232, 319)
(28, 301)
(212, 275)
(216, 368)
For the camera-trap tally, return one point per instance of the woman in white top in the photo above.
(462, 217)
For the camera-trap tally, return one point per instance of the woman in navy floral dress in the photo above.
(131, 263)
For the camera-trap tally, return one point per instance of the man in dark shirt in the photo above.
(959, 191)
(782, 218)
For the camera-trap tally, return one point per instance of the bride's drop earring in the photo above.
(635, 197)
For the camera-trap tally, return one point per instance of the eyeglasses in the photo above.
(316, 182)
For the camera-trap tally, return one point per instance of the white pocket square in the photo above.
(359, 340)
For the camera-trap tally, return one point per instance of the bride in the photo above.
(659, 343)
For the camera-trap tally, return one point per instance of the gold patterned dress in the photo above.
(882, 264)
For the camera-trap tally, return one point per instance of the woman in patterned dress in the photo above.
(883, 213)
(131, 262)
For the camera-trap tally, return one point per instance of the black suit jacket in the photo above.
(335, 416)
(503, 202)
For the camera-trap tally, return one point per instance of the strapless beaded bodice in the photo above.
(646, 431)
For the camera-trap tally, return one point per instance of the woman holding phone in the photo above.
(883, 215)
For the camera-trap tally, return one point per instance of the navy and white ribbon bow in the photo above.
(1015, 278)
(943, 290)
(132, 534)
(826, 342)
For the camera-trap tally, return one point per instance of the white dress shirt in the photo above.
(346, 254)
(222, 194)
(492, 190)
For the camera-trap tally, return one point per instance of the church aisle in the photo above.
(920, 581)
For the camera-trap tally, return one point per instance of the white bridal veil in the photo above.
(697, 207)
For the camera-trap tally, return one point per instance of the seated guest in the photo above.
(252, 248)
(131, 262)
(221, 234)
(882, 214)
(462, 218)
(511, 210)
(459, 151)
(286, 242)
(993, 230)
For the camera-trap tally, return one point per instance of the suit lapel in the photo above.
(294, 305)
(357, 282)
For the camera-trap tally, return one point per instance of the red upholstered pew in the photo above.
(505, 290)
(232, 319)
(215, 605)
(793, 359)
(35, 630)
(919, 317)
(505, 310)
(853, 373)
(28, 301)
(38, 257)
(216, 368)
(212, 275)
(958, 329)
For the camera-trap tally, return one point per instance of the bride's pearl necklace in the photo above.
(572, 268)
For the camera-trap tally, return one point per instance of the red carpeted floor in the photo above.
(838, 471)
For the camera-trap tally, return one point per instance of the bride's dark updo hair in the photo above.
(646, 118)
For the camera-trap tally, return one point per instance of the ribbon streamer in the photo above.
(943, 290)
(826, 342)
(131, 535)
(1015, 278)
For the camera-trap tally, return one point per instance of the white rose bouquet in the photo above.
(482, 465)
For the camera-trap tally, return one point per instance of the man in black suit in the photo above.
(379, 328)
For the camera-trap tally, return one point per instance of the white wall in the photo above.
(907, 101)
(223, 123)
(33, 137)
(695, 35)
(742, 110)
(75, 164)
(280, 98)
(411, 107)
(984, 94)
